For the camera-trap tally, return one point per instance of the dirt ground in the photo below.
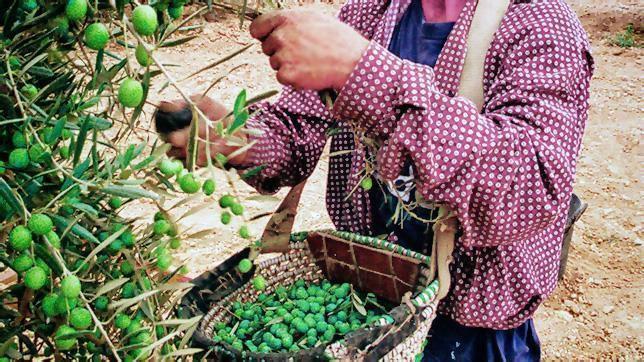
(596, 311)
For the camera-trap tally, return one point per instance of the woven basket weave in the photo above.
(371, 265)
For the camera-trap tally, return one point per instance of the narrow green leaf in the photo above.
(106, 76)
(146, 88)
(242, 150)
(33, 62)
(358, 304)
(57, 131)
(100, 55)
(37, 20)
(174, 322)
(184, 352)
(172, 28)
(95, 160)
(274, 321)
(57, 85)
(164, 86)
(188, 335)
(129, 192)
(131, 153)
(193, 210)
(238, 122)
(132, 182)
(252, 172)
(261, 97)
(80, 140)
(357, 298)
(360, 309)
(240, 103)
(126, 303)
(104, 244)
(12, 199)
(202, 233)
(7, 333)
(99, 123)
(43, 253)
(193, 142)
(179, 41)
(85, 208)
(190, 27)
(89, 103)
(190, 326)
(78, 172)
(186, 200)
(219, 129)
(41, 72)
(76, 229)
(11, 19)
(242, 13)
(109, 286)
(154, 157)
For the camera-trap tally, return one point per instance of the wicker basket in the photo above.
(371, 265)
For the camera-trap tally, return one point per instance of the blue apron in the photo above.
(421, 42)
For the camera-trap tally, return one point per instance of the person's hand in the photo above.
(307, 49)
(173, 119)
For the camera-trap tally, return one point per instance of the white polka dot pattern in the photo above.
(507, 171)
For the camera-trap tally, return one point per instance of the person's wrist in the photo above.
(350, 62)
(241, 160)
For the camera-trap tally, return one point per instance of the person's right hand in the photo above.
(173, 119)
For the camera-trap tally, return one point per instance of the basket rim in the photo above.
(424, 298)
(371, 241)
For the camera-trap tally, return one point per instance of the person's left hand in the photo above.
(307, 49)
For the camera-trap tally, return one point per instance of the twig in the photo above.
(15, 88)
(54, 252)
(207, 121)
(250, 14)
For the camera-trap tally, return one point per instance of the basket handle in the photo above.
(486, 20)
(277, 233)
(442, 250)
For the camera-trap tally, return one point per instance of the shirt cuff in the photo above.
(268, 153)
(369, 97)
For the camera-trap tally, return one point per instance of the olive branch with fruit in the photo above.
(80, 281)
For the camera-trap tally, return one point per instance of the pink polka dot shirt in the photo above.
(507, 171)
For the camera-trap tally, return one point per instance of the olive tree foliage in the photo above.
(77, 279)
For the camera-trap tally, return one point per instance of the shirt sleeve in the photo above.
(292, 131)
(506, 171)
(289, 137)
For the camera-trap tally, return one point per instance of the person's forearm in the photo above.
(288, 140)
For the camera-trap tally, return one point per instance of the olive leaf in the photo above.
(104, 244)
(12, 199)
(129, 192)
(79, 231)
(358, 304)
(84, 208)
(109, 286)
(172, 43)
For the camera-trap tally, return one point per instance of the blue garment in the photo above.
(421, 42)
(416, 40)
(450, 341)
